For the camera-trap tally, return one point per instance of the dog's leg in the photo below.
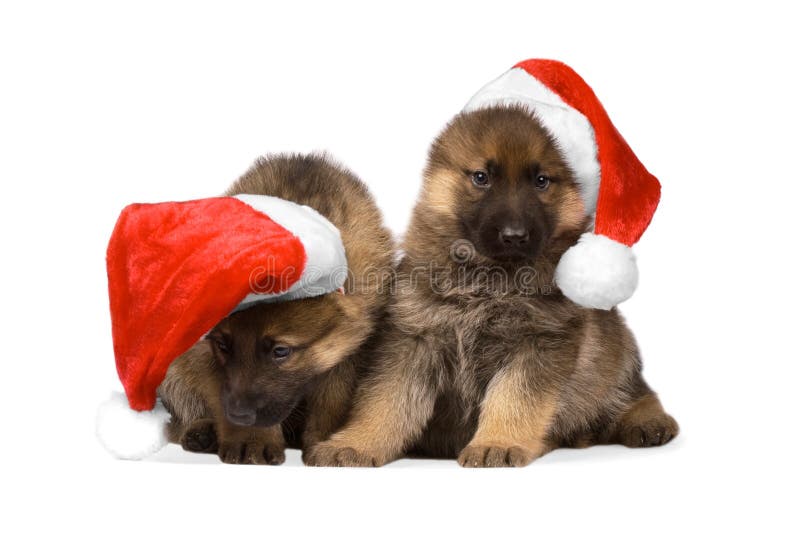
(184, 392)
(513, 423)
(390, 410)
(250, 445)
(200, 436)
(645, 423)
(327, 406)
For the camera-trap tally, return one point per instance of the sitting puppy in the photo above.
(484, 359)
(283, 372)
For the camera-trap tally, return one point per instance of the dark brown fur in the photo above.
(231, 377)
(485, 360)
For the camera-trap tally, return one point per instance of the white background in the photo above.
(102, 105)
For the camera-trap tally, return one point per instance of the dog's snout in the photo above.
(514, 236)
(240, 411)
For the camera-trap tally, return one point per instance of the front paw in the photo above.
(492, 456)
(200, 437)
(655, 431)
(335, 454)
(251, 453)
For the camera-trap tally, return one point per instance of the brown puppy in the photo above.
(485, 359)
(279, 372)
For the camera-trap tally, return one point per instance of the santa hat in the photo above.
(617, 190)
(176, 269)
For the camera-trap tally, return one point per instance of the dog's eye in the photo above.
(222, 346)
(542, 182)
(281, 352)
(480, 179)
(222, 349)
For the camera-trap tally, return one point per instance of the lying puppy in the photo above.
(284, 372)
(485, 360)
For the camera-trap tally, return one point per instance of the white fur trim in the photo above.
(129, 434)
(570, 128)
(597, 272)
(326, 262)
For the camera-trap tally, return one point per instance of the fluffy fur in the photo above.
(483, 358)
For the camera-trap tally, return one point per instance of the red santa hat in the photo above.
(176, 269)
(617, 190)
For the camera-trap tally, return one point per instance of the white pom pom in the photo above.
(597, 272)
(129, 434)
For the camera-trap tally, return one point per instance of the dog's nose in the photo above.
(240, 412)
(514, 236)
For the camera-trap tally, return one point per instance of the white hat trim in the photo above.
(326, 263)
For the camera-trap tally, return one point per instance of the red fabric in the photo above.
(628, 193)
(176, 269)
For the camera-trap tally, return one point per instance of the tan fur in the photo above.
(494, 374)
(571, 212)
(513, 423)
(326, 332)
(397, 403)
(438, 197)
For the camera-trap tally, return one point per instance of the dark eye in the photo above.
(480, 179)
(281, 352)
(222, 345)
(222, 349)
(542, 182)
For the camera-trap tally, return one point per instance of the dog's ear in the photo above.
(339, 328)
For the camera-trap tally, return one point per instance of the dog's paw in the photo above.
(651, 432)
(493, 456)
(200, 437)
(330, 454)
(251, 453)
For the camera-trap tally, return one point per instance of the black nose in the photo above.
(514, 236)
(240, 412)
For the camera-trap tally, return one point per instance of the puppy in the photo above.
(485, 360)
(283, 373)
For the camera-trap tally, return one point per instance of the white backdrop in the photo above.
(103, 104)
